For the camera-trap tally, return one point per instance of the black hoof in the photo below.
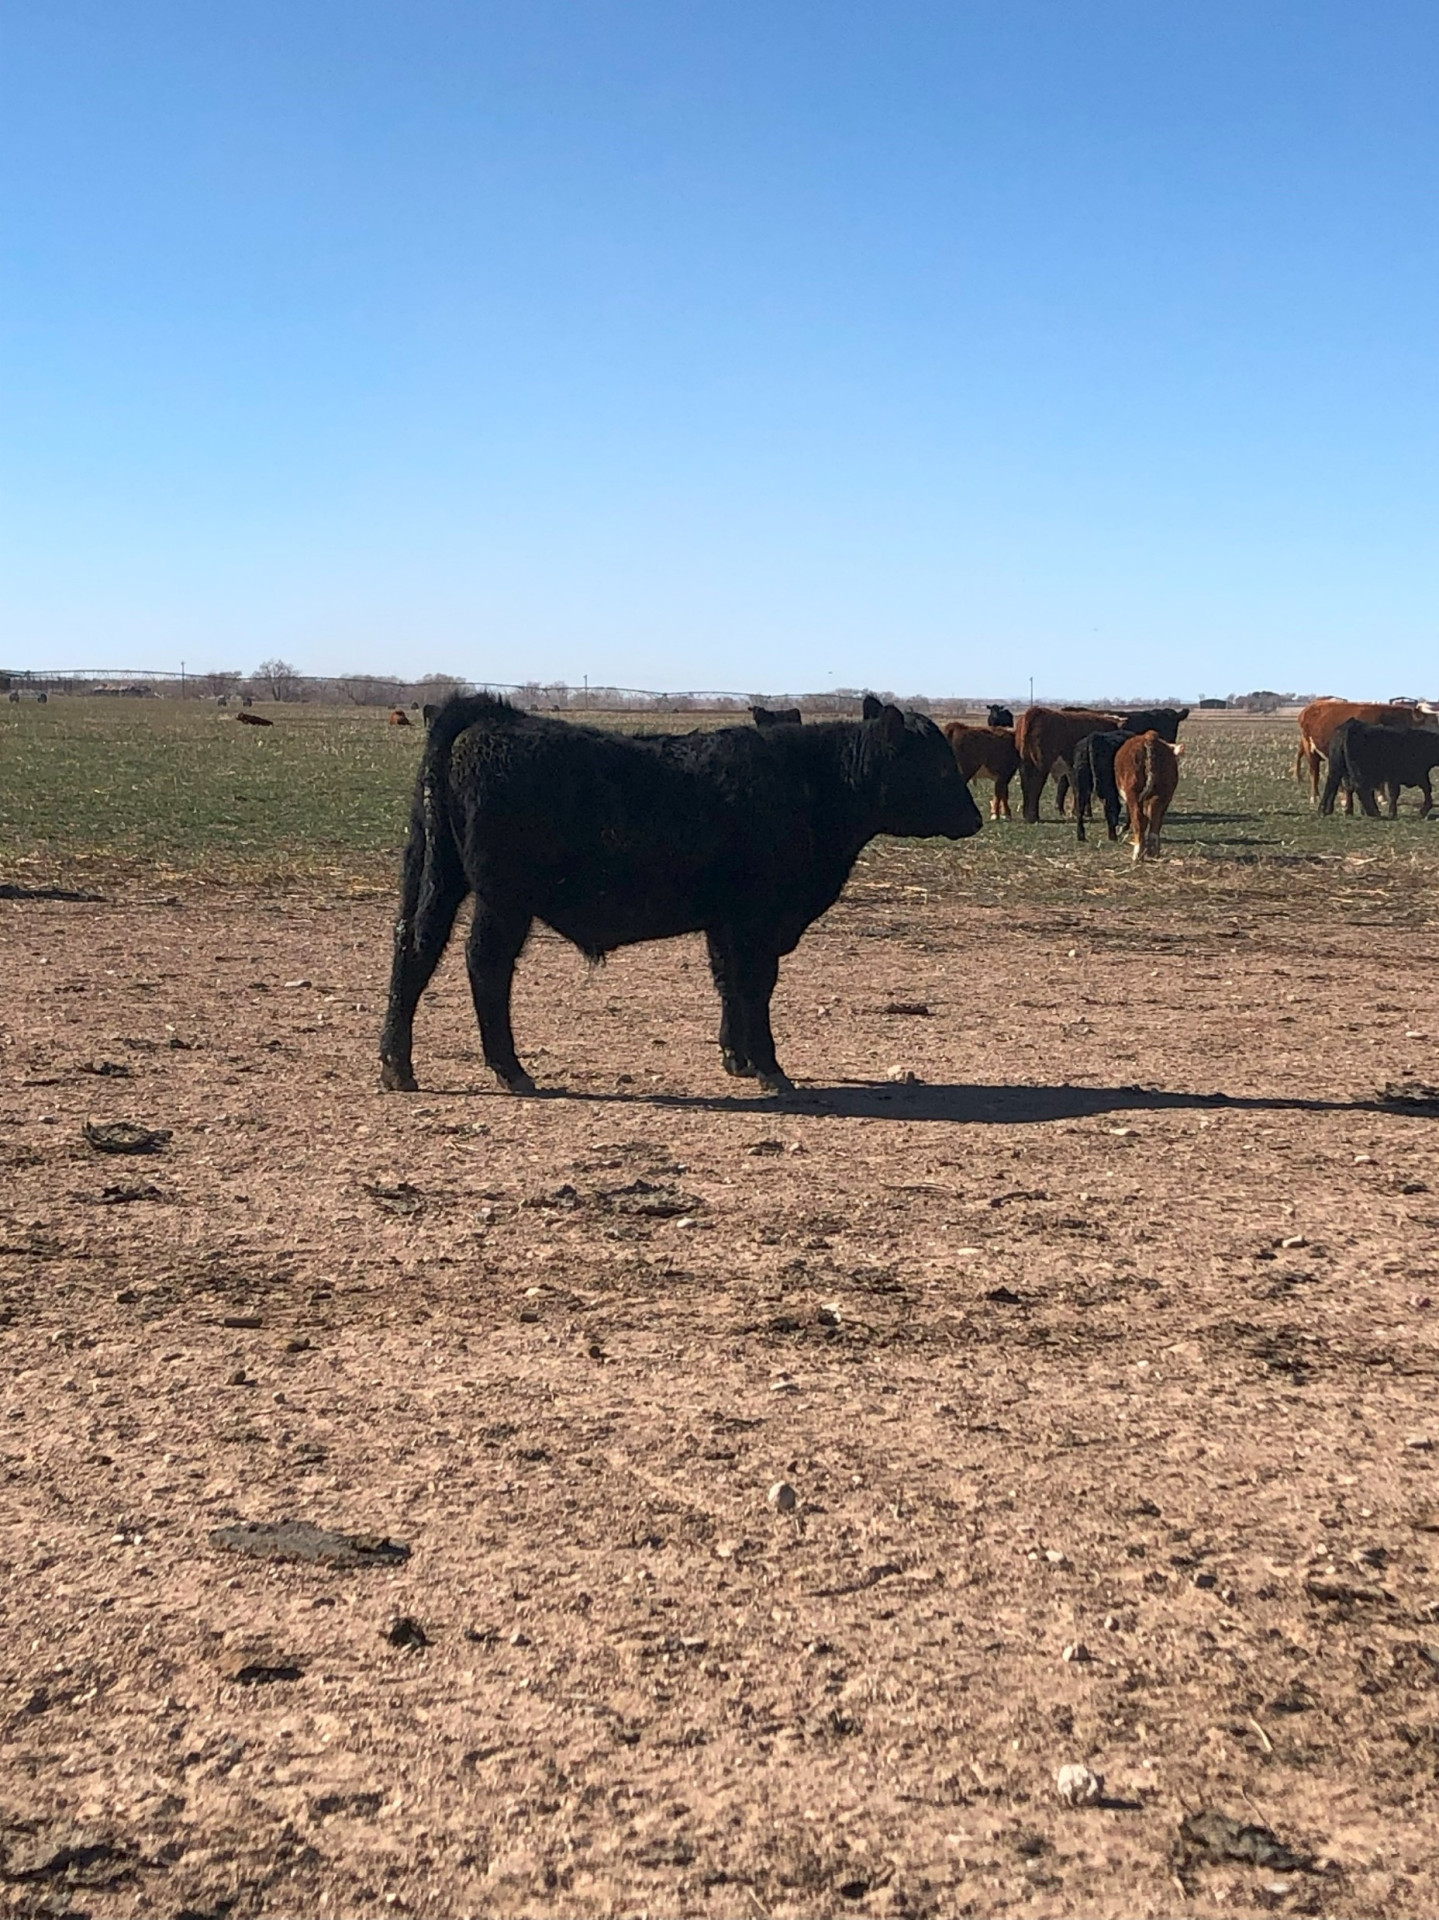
(395, 1079)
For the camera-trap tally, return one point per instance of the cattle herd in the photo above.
(748, 835)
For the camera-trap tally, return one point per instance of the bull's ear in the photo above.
(1184, 713)
(871, 708)
(893, 725)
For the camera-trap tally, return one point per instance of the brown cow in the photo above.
(1146, 771)
(988, 750)
(398, 717)
(253, 720)
(1321, 720)
(1046, 736)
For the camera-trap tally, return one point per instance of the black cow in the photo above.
(1094, 775)
(776, 716)
(746, 836)
(428, 712)
(1364, 757)
(1000, 717)
(1161, 720)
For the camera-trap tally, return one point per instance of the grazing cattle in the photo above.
(14, 696)
(1363, 758)
(776, 716)
(1146, 771)
(1094, 775)
(1000, 717)
(1322, 719)
(253, 720)
(398, 717)
(42, 699)
(988, 750)
(744, 835)
(1047, 736)
(1161, 720)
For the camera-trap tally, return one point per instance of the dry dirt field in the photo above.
(1100, 1358)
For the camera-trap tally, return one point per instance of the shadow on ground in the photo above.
(992, 1106)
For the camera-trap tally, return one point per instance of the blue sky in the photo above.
(770, 347)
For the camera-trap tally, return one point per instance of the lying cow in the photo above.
(776, 716)
(1364, 758)
(1094, 777)
(247, 719)
(988, 750)
(744, 835)
(1146, 771)
(398, 717)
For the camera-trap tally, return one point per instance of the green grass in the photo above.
(102, 789)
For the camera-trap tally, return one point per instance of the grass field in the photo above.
(179, 791)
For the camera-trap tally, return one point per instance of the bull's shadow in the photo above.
(994, 1106)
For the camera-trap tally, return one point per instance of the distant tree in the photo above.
(280, 679)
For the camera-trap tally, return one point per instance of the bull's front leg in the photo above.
(724, 969)
(758, 973)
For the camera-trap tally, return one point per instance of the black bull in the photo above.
(747, 836)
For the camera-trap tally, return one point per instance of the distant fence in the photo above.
(377, 690)
(277, 683)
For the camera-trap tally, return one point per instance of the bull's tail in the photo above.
(432, 886)
(1151, 786)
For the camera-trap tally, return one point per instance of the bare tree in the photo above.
(282, 680)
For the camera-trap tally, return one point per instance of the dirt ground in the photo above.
(1108, 1406)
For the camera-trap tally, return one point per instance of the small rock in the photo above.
(1419, 1443)
(829, 1315)
(1205, 1580)
(529, 1315)
(1055, 1557)
(784, 1385)
(406, 1631)
(238, 1378)
(251, 1320)
(1077, 1786)
(1076, 1652)
(301, 982)
(1364, 1159)
(1111, 1623)
(1294, 1240)
(782, 1497)
(298, 1345)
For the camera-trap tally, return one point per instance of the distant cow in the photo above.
(776, 716)
(42, 699)
(988, 750)
(1046, 737)
(14, 696)
(252, 720)
(1364, 758)
(398, 717)
(1000, 717)
(1146, 771)
(743, 834)
(1094, 777)
(428, 712)
(1322, 719)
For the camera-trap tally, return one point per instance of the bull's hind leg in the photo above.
(431, 895)
(497, 939)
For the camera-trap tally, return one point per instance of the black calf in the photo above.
(1094, 774)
